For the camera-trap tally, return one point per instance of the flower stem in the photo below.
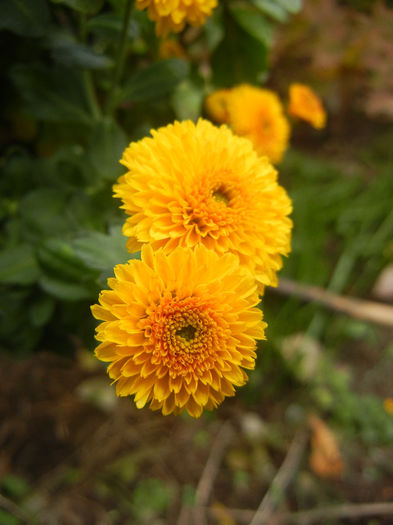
(337, 283)
(120, 59)
(86, 74)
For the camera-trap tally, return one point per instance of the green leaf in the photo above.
(109, 25)
(54, 95)
(59, 260)
(214, 30)
(156, 80)
(16, 333)
(239, 58)
(272, 8)
(67, 52)
(64, 290)
(15, 486)
(24, 17)
(8, 519)
(102, 251)
(18, 265)
(187, 100)
(41, 311)
(65, 277)
(106, 147)
(151, 497)
(253, 22)
(42, 213)
(83, 6)
(293, 6)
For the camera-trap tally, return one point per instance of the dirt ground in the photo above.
(85, 457)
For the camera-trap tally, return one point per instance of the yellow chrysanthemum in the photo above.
(197, 183)
(257, 114)
(173, 15)
(179, 329)
(306, 105)
(216, 105)
(388, 405)
(170, 48)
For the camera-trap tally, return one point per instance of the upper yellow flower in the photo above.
(216, 105)
(258, 114)
(199, 184)
(173, 15)
(178, 330)
(306, 105)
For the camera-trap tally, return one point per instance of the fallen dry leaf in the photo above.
(221, 514)
(325, 458)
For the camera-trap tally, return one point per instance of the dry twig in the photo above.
(360, 309)
(208, 477)
(318, 515)
(13, 509)
(282, 479)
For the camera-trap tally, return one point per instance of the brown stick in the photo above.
(360, 309)
(318, 515)
(13, 509)
(210, 472)
(282, 479)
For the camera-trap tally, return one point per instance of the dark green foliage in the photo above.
(25, 17)
(66, 127)
(52, 94)
(155, 81)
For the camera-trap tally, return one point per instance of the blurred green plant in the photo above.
(82, 78)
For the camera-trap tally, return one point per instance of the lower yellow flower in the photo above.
(173, 15)
(216, 105)
(179, 329)
(257, 114)
(306, 105)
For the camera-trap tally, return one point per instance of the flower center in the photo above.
(187, 332)
(220, 195)
(266, 126)
(185, 335)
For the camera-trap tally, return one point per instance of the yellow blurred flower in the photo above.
(388, 405)
(173, 15)
(258, 114)
(216, 105)
(170, 48)
(199, 184)
(179, 329)
(306, 105)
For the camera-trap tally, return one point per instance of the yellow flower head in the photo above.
(199, 184)
(170, 48)
(179, 329)
(388, 405)
(216, 105)
(306, 105)
(258, 114)
(173, 15)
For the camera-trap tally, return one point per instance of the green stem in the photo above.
(336, 284)
(120, 59)
(91, 94)
(86, 74)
